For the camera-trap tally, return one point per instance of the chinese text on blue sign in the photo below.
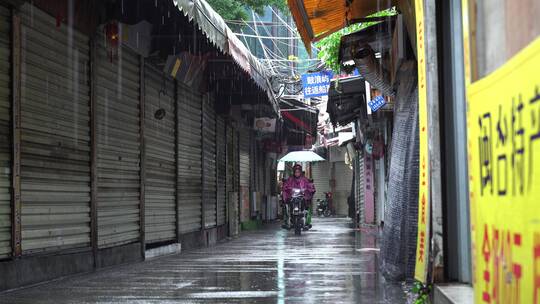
(377, 103)
(316, 84)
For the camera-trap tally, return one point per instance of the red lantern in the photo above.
(112, 38)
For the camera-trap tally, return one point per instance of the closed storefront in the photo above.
(245, 173)
(233, 179)
(209, 163)
(189, 159)
(160, 158)
(5, 153)
(55, 135)
(118, 146)
(359, 180)
(222, 180)
(321, 174)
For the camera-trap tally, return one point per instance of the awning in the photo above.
(316, 19)
(222, 37)
(299, 116)
(208, 21)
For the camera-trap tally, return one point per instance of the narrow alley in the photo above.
(279, 151)
(327, 264)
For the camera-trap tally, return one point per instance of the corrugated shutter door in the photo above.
(245, 168)
(359, 180)
(209, 164)
(160, 174)
(233, 177)
(259, 167)
(233, 172)
(5, 153)
(320, 172)
(245, 174)
(118, 146)
(189, 159)
(221, 156)
(55, 138)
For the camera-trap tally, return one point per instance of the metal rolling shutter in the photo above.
(222, 185)
(259, 168)
(233, 172)
(359, 183)
(320, 173)
(118, 146)
(55, 138)
(160, 171)
(233, 176)
(5, 153)
(209, 163)
(189, 159)
(245, 173)
(244, 158)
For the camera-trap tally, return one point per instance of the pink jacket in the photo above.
(301, 183)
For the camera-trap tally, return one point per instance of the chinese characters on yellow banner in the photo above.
(504, 177)
(422, 243)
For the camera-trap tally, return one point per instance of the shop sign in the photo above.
(264, 124)
(316, 84)
(503, 126)
(422, 243)
(377, 103)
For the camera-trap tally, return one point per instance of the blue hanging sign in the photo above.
(377, 103)
(316, 84)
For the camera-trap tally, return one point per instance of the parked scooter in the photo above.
(323, 206)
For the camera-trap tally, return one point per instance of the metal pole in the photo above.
(203, 219)
(216, 168)
(16, 128)
(434, 137)
(142, 157)
(93, 154)
(227, 225)
(176, 142)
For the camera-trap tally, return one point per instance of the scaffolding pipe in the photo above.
(371, 70)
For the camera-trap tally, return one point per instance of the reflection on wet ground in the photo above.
(328, 264)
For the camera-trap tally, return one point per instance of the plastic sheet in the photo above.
(398, 250)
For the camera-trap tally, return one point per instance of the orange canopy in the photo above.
(316, 19)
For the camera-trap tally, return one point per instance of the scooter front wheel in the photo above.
(297, 226)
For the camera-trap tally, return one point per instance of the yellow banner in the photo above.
(504, 178)
(422, 244)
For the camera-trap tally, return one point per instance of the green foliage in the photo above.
(421, 292)
(236, 9)
(329, 46)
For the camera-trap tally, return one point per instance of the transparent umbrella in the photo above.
(301, 156)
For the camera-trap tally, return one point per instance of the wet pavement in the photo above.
(328, 264)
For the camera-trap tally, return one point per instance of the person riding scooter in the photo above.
(299, 181)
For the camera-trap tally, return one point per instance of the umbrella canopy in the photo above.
(301, 156)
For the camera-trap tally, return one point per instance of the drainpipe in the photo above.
(365, 61)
